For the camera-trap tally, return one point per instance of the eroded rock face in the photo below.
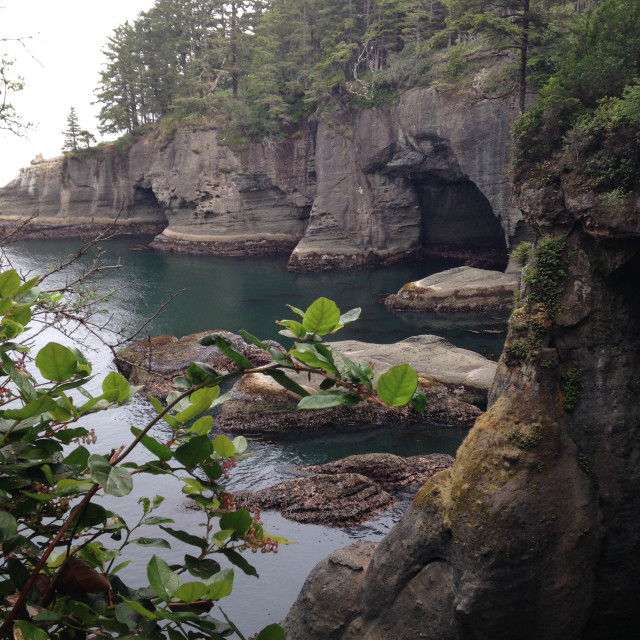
(533, 532)
(423, 177)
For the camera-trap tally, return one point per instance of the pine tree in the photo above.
(72, 132)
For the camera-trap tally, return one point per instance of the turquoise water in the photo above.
(250, 294)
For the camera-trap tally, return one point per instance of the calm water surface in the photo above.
(250, 294)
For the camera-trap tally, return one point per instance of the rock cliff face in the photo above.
(424, 176)
(534, 531)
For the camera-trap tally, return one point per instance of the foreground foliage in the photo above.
(64, 555)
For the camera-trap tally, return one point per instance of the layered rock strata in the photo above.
(424, 176)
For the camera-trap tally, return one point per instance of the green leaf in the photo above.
(151, 542)
(199, 372)
(285, 381)
(11, 329)
(191, 592)
(24, 630)
(185, 537)
(253, 340)
(114, 480)
(162, 579)
(157, 448)
(157, 405)
(229, 350)
(92, 515)
(240, 521)
(349, 316)
(272, 632)
(79, 456)
(202, 425)
(200, 402)
(322, 317)
(21, 380)
(56, 362)
(239, 561)
(220, 584)
(296, 310)
(327, 399)
(194, 451)
(223, 446)
(397, 385)
(9, 283)
(419, 401)
(240, 443)
(34, 408)
(8, 524)
(201, 567)
(115, 382)
(296, 330)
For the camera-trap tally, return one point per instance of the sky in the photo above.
(59, 60)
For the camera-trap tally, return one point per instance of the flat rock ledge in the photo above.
(347, 492)
(459, 289)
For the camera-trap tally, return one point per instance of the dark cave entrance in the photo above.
(458, 221)
(146, 208)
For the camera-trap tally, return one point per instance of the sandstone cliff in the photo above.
(427, 175)
(534, 531)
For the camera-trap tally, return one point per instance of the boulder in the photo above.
(460, 289)
(342, 500)
(391, 471)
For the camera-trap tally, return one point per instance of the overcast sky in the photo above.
(60, 63)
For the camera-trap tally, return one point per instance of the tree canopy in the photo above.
(265, 64)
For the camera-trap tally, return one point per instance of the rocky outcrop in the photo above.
(388, 470)
(346, 492)
(154, 362)
(533, 532)
(454, 380)
(422, 177)
(461, 289)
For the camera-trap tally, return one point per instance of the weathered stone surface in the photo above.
(341, 500)
(460, 289)
(533, 532)
(391, 471)
(154, 362)
(468, 373)
(426, 176)
(259, 404)
(328, 604)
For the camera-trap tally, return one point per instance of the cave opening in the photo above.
(146, 208)
(458, 221)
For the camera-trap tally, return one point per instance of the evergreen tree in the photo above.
(506, 25)
(72, 132)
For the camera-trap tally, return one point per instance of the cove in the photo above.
(242, 293)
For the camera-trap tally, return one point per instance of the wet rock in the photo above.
(259, 404)
(460, 289)
(342, 500)
(154, 362)
(391, 471)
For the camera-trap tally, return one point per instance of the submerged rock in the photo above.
(459, 289)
